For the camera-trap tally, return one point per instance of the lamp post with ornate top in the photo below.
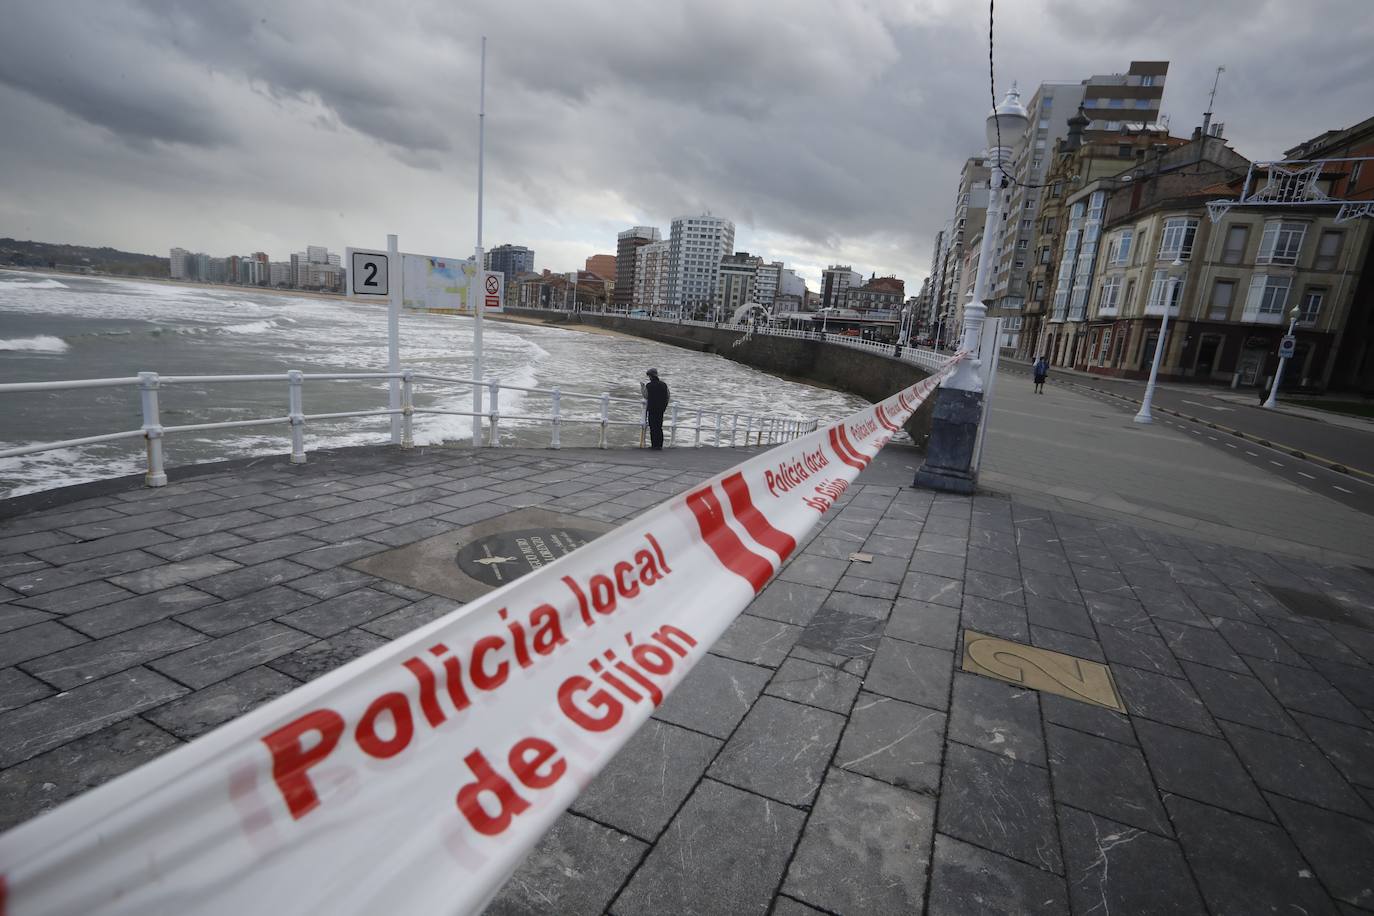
(959, 401)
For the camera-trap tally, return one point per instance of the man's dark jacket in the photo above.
(656, 395)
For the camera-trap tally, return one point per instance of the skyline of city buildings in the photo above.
(1104, 204)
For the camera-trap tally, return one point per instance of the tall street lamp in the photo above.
(1143, 415)
(1284, 352)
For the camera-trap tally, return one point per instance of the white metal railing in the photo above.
(926, 359)
(704, 423)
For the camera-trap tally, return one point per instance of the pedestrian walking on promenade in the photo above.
(1040, 370)
(655, 403)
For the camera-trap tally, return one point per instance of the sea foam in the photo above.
(43, 343)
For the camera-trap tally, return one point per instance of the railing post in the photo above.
(734, 429)
(672, 437)
(407, 409)
(557, 407)
(295, 379)
(494, 415)
(152, 429)
(697, 442)
(748, 429)
(605, 419)
(476, 413)
(716, 443)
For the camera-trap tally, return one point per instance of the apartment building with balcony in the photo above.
(951, 243)
(1109, 107)
(627, 246)
(736, 287)
(1353, 180)
(1241, 279)
(651, 263)
(878, 294)
(767, 279)
(835, 283)
(696, 246)
(1089, 170)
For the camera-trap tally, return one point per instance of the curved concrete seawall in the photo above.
(868, 375)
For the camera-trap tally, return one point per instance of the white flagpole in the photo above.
(475, 285)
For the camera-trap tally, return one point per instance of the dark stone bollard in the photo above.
(953, 433)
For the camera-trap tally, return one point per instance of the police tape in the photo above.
(415, 778)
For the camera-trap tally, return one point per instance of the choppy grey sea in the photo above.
(60, 327)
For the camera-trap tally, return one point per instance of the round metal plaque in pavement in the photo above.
(497, 559)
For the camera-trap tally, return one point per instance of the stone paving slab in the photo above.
(829, 755)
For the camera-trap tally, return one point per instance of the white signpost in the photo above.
(369, 274)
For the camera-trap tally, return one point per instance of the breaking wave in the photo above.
(25, 283)
(43, 343)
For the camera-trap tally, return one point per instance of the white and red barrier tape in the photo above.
(415, 779)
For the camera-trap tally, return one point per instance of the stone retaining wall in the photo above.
(869, 375)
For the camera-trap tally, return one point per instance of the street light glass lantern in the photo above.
(1010, 118)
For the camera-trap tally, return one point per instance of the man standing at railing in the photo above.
(655, 403)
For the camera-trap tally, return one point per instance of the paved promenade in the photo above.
(834, 753)
(1079, 452)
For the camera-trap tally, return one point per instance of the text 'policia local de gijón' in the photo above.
(447, 680)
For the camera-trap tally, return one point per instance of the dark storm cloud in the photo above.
(101, 65)
(833, 129)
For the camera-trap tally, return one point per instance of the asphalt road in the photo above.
(1353, 448)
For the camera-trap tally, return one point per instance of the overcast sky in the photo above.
(828, 131)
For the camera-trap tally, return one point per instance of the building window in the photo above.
(1329, 249)
(1111, 295)
(1177, 243)
(1124, 151)
(1161, 288)
(1049, 225)
(1057, 190)
(1234, 250)
(1266, 299)
(1117, 103)
(1353, 179)
(1113, 125)
(1106, 347)
(1022, 243)
(1142, 103)
(1045, 255)
(1223, 293)
(1311, 306)
(1147, 81)
(1039, 289)
(1090, 103)
(1281, 242)
(1119, 251)
(1126, 300)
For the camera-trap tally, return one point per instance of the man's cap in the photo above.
(652, 373)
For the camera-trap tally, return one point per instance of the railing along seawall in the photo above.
(706, 427)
